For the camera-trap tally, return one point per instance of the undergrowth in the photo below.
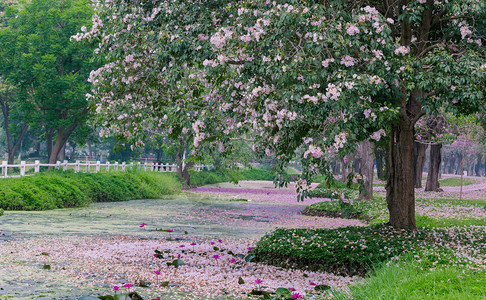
(60, 189)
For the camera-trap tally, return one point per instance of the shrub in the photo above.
(336, 209)
(212, 177)
(343, 251)
(56, 189)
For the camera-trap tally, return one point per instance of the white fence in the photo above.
(89, 166)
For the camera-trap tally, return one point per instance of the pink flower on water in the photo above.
(156, 255)
(220, 240)
(157, 272)
(297, 296)
(250, 248)
(216, 256)
(170, 230)
(233, 260)
(158, 298)
(292, 289)
(116, 288)
(142, 225)
(193, 244)
(312, 283)
(128, 285)
(258, 281)
(212, 243)
(182, 246)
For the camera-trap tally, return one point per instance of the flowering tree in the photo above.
(291, 75)
(48, 71)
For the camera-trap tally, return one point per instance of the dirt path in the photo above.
(89, 250)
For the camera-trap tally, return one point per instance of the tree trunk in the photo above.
(445, 161)
(49, 134)
(344, 173)
(183, 168)
(432, 184)
(419, 162)
(379, 163)
(400, 185)
(366, 158)
(459, 164)
(357, 165)
(12, 147)
(62, 136)
(62, 153)
(452, 164)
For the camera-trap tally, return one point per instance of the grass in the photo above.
(457, 181)
(61, 189)
(425, 221)
(410, 280)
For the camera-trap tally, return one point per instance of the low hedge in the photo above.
(212, 177)
(344, 251)
(56, 189)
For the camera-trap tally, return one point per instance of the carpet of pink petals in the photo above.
(107, 261)
(93, 263)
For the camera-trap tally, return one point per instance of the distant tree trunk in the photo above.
(452, 163)
(12, 147)
(62, 136)
(366, 157)
(73, 154)
(379, 163)
(37, 148)
(432, 184)
(49, 134)
(62, 153)
(334, 167)
(419, 162)
(344, 170)
(181, 166)
(357, 165)
(459, 164)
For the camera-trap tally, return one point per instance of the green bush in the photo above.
(56, 189)
(212, 177)
(343, 251)
(336, 209)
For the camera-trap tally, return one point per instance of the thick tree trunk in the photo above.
(432, 184)
(400, 185)
(366, 158)
(62, 136)
(419, 162)
(62, 153)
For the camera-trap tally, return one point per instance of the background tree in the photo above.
(47, 69)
